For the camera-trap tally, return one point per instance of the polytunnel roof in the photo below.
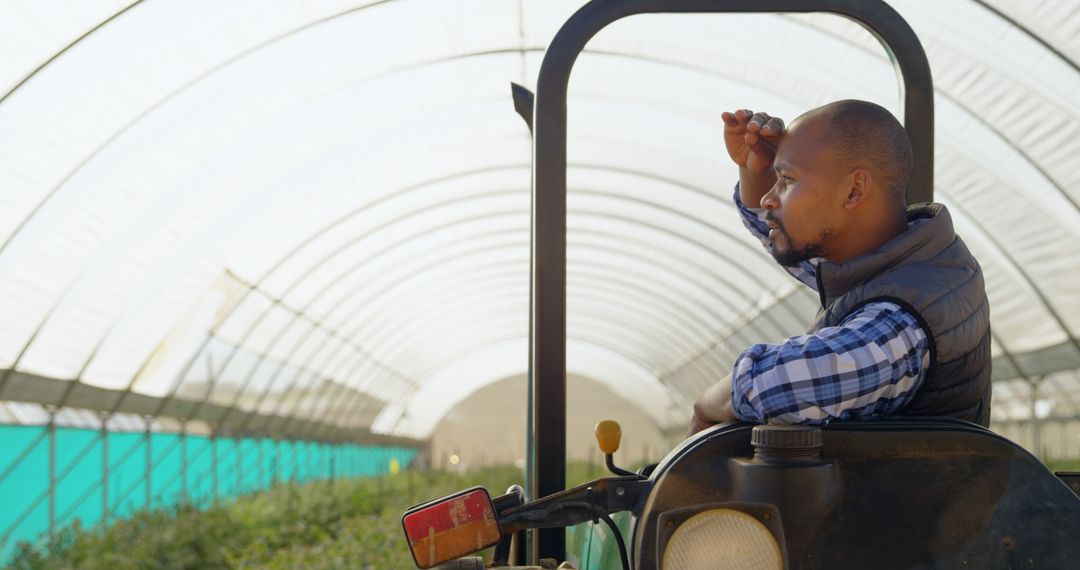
(312, 218)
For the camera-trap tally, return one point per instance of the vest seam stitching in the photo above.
(984, 302)
(974, 273)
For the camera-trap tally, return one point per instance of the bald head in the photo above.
(865, 135)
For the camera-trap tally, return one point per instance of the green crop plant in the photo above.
(319, 525)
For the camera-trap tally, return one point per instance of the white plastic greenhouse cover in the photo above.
(320, 210)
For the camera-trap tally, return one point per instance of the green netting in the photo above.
(192, 468)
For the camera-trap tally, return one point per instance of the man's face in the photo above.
(805, 206)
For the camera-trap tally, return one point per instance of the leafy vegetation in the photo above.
(1063, 464)
(324, 525)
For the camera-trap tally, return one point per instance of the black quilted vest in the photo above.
(928, 271)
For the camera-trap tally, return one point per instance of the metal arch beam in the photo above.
(975, 117)
(1017, 150)
(433, 367)
(297, 313)
(390, 71)
(630, 317)
(497, 339)
(448, 261)
(600, 342)
(1042, 299)
(628, 321)
(431, 300)
(615, 285)
(1062, 391)
(658, 60)
(256, 286)
(301, 312)
(758, 282)
(171, 394)
(1011, 21)
(428, 371)
(351, 335)
(610, 348)
(326, 258)
(393, 70)
(315, 23)
(1040, 296)
(453, 308)
(392, 286)
(1032, 35)
(65, 49)
(168, 97)
(712, 252)
(354, 333)
(633, 285)
(175, 387)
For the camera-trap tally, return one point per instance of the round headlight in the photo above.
(720, 539)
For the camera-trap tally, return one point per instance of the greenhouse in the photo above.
(249, 243)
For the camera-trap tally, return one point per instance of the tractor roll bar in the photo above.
(547, 366)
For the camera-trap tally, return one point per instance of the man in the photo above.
(903, 327)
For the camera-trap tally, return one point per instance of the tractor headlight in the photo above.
(720, 539)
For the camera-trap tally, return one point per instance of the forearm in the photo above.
(870, 365)
(753, 186)
(713, 406)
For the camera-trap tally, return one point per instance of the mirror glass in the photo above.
(451, 527)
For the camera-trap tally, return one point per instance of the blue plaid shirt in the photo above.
(870, 364)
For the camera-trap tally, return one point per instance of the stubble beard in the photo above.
(793, 256)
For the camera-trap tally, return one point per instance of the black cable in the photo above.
(618, 540)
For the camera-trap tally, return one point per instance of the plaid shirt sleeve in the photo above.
(754, 220)
(871, 364)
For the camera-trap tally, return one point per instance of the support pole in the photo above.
(52, 472)
(214, 465)
(1036, 424)
(183, 461)
(149, 461)
(239, 442)
(104, 467)
(277, 463)
(262, 463)
(333, 472)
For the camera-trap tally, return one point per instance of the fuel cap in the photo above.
(783, 443)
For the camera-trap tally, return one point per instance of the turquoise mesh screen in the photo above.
(179, 467)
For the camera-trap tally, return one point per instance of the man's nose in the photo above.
(770, 201)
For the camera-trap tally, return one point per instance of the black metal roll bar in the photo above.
(547, 354)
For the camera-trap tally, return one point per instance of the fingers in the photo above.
(736, 119)
(763, 122)
(760, 142)
(696, 425)
(773, 127)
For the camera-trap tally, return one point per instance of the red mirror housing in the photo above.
(451, 527)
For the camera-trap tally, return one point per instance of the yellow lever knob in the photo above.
(608, 434)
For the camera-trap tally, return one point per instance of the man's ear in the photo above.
(858, 186)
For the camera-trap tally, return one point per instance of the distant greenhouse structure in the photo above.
(248, 242)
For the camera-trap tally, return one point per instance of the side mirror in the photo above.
(451, 527)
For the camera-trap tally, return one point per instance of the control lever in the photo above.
(608, 437)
